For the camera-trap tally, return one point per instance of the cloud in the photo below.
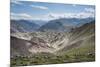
(39, 7)
(70, 15)
(51, 16)
(89, 10)
(88, 13)
(74, 5)
(16, 2)
(18, 16)
(85, 15)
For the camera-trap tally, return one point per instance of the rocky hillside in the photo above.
(82, 40)
(50, 41)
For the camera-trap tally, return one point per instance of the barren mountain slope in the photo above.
(50, 41)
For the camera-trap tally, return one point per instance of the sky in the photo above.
(30, 10)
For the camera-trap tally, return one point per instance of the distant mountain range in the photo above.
(40, 22)
(62, 24)
(23, 26)
(55, 26)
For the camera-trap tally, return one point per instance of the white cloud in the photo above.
(39, 7)
(69, 15)
(90, 10)
(74, 5)
(85, 15)
(19, 16)
(16, 2)
(51, 16)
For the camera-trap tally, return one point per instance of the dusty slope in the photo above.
(50, 41)
(82, 40)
